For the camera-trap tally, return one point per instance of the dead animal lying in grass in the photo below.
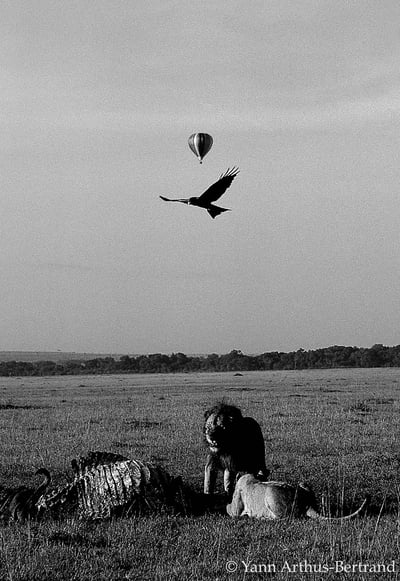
(276, 500)
(106, 484)
(19, 504)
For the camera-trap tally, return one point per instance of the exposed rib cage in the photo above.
(105, 483)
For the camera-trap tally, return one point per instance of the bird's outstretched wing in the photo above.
(215, 191)
(183, 200)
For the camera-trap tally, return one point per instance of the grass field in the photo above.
(335, 429)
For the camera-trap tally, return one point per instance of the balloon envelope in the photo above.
(200, 144)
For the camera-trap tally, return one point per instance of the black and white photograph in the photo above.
(200, 274)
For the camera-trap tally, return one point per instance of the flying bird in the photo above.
(213, 194)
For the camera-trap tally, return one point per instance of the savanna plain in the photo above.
(334, 429)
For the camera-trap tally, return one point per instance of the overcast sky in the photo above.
(97, 101)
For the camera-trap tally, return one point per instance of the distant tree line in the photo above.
(325, 358)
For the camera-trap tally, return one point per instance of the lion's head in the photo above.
(222, 423)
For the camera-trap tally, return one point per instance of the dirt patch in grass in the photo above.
(380, 400)
(11, 406)
(145, 424)
(360, 407)
(76, 539)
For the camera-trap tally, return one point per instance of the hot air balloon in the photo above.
(200, 144)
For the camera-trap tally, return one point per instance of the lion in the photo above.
(236, 446)
(276, 500)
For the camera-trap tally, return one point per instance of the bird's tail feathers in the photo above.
(216, 210)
